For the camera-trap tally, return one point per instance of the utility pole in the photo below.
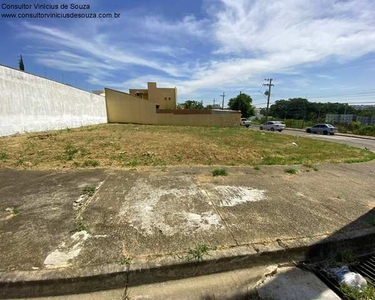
(269, 84)
(214, 101)
(223, 95)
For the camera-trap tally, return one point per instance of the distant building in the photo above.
(362, 107)
(165, 98)
(257, 113)
(99, 92)
(339, 118)
(366, 120)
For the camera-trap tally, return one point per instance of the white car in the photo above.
(273, 125)
(245, 122)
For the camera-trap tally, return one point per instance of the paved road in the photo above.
(351, 141)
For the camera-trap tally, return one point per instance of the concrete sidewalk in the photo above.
(50, 232)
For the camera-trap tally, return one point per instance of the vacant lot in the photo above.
(123, 145)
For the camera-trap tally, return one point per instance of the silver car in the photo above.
(273, 125)
(322, 128)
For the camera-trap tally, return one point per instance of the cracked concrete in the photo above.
(154, 215)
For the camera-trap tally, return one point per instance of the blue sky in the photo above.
(323, 50)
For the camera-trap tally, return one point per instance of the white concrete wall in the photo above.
(30, 103)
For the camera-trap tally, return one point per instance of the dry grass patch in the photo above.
(125, 145)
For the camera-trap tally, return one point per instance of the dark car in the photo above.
(322, 128)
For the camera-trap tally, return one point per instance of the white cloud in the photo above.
(325, 76)
(236, 44)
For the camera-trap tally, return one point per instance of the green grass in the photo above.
(3, 155)
(88, 190)
(291, 171)
(70, 151)
(219, 172)
(257, 168)
(367, 293)
(127, 145)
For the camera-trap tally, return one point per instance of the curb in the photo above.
(340, 134)
(25, 284)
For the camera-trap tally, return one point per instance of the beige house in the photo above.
(127, 108)
(165, 98)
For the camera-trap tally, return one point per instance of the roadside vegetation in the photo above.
(301, 113)
(129, 146)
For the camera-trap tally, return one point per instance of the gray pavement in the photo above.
(154, 216)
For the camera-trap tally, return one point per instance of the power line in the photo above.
(270, 85)
(223, 95)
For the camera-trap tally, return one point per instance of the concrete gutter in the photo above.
(340, 134)
(20, 284)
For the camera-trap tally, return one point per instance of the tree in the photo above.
(20, 64)
(192, 104)
(243, 103)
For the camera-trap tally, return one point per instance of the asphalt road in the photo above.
(351, 141)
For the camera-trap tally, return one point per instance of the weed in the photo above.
(257, 168)
(315, 169)
(12, 210)
(366, 293)
(89, 190)
(68, 129)
(3, 155)
(338, 197)
(90, 163)
(197, 253)
(125, 260)
(219, 172)
(178, 157)
(343, 258)
(133, 163)
(20, 162)
(290, 171)
(70, 151)
(80, 226)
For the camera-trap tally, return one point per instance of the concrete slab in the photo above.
(44, 200)
(155, 215)
(295, 284)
